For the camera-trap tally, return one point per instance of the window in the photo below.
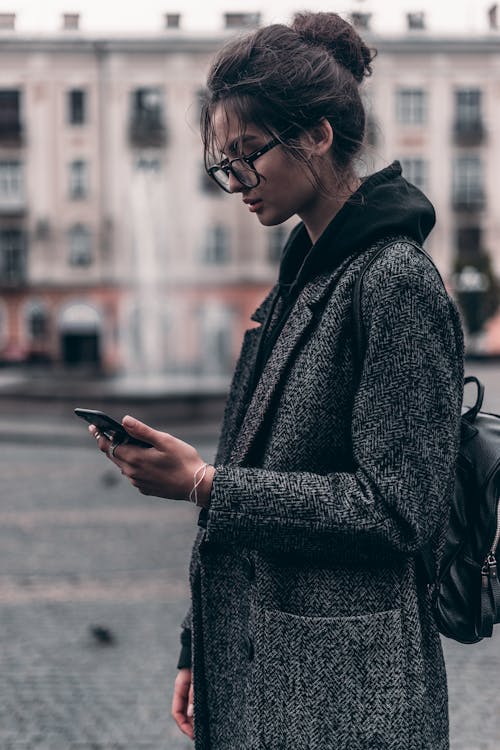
(468, 242)
(469, 128)
(11, 182)
(411, 106)
(468, 105)
(241, 20)
(77, 105)
(10, 114)
(71, 21)
(415, 171)
(361, 20)
(216, 329)
(276, 243)
(468, 183)
(78, 179)
(80, 251)
(12, 256)
(7, 21)
(147, 120)
(172, 20)
(415, 20)
(216, 249)
(37, 321)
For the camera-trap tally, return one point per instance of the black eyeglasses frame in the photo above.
(225, 165)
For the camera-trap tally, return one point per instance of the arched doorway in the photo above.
(80, 331)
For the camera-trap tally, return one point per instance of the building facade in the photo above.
(118, 253)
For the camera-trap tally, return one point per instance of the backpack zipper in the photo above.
(489, 569)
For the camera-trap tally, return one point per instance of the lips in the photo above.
(252, 203)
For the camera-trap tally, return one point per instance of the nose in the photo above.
(235, 186)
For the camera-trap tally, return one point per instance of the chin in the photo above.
(272, 221)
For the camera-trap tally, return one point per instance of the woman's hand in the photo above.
(167, 469)
(182, 703)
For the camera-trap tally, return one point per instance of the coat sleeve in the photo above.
(405, 432)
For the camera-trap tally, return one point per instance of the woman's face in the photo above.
(285, 188)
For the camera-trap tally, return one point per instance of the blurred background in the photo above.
(127, 279)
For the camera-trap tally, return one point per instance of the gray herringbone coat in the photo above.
(311, 630)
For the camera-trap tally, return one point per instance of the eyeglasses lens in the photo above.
(241, 170)
(244, 173)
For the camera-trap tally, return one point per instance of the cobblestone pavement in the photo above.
(80, 549)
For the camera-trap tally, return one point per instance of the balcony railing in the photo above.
(469, 200)
(11, 133)
(12, 205)
(147, 131)
(469, 132)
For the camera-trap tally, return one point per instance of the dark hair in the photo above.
(287, 79)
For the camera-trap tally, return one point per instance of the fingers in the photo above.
(106, 446)
(190, 708)
(181, 701)
(143, 432)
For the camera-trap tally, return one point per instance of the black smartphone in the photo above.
(109, 427)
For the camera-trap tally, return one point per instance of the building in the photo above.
(117, 252)
(434, 105)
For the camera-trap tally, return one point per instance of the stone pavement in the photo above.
(80, 548)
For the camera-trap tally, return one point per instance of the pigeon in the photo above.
(102, 635)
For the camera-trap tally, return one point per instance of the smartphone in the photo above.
(109, 427)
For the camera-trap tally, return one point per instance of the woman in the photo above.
(310, 626)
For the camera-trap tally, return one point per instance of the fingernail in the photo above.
(91, 428)
(128, 421)
(190, 710)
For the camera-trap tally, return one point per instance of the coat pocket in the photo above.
(330, 683)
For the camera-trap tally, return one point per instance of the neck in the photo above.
(325, 207)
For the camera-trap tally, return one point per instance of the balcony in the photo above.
(13, 205)
(146, 131)
(469, 200)
(469, 132)
(11, 133)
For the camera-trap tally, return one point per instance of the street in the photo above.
(93, 586)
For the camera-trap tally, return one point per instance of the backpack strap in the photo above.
(472, 413)
(359, 331)
(426, 563)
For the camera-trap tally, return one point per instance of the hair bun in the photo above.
(339, 38)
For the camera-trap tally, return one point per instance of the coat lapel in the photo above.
(237, 399)
(301, 320)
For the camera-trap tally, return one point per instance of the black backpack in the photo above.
(465, 590)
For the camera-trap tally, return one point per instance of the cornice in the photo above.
(181, 42)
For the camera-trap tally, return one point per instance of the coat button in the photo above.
(249, 649)
(248, 567)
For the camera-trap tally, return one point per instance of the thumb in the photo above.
(142, 431)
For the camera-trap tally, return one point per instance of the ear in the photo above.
(321, 138)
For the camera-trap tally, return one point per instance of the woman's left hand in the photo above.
(167, 469)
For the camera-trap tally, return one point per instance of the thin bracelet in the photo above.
(193, 495)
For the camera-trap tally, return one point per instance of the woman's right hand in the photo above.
(182, 703)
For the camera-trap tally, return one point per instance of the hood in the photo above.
(384, 206)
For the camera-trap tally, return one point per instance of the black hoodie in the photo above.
(384, 206)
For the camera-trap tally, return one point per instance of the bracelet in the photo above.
(193, 495)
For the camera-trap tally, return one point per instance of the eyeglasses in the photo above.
(242, 168)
